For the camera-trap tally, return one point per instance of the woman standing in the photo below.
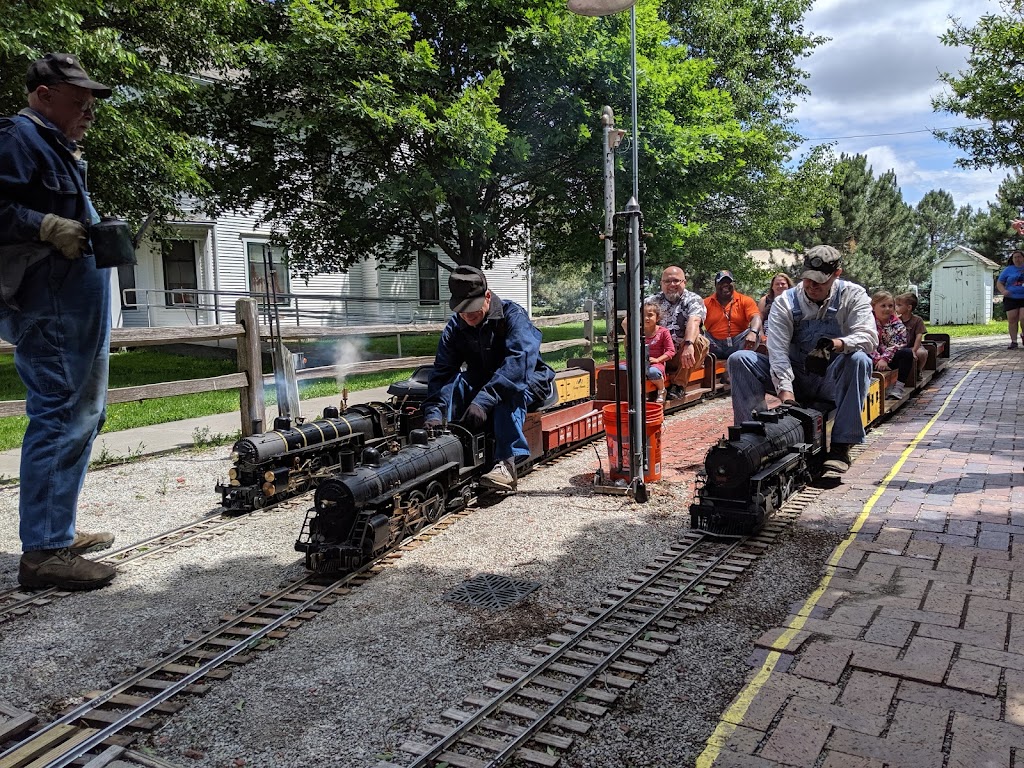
(1011, 285)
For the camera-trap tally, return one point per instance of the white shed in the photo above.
(962, 288)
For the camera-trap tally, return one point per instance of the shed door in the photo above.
(960, 307)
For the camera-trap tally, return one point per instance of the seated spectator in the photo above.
(780, 284)
(682, 312)
(733, 321)
(892, 342)
(660, 348)
(906, 303)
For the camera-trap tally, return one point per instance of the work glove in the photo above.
(69, 236)
(474, 418)
(819, 358)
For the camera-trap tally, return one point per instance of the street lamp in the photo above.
(636, 374)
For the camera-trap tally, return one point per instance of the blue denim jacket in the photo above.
(502, 356)
(40, 173)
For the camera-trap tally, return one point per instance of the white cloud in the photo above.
(872, 85)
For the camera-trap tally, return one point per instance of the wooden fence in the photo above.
(250, 335)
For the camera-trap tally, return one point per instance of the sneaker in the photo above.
(895, 392)
(674, 392)
(85, 543)
(1013, 345)
(661, 397)
(838, 458)
(62, 569)
(501, 478)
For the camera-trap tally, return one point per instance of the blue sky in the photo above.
(872, 85)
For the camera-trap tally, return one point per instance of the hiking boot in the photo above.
(85, 543)
(62, 569)
(501, 478)
(838, 460)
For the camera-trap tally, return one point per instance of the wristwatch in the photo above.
(687, 343)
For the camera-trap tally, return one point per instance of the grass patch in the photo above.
(995, 328)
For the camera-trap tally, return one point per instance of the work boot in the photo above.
(838, 458)
(502, 477)
(62, 569)
(675, 392)
(85, 543)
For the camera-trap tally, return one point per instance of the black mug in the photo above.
(112, 243)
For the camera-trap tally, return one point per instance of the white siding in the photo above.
(961, 288)
(363, 294)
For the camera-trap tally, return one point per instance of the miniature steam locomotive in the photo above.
(751, 472)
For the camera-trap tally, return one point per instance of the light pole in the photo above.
(635, 374)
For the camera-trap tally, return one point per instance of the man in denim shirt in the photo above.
(55, 309)
(488, 370)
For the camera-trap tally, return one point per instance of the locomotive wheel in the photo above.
(259, 501)
(434, 506)
(414, 517)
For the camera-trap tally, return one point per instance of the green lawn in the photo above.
(148, 366)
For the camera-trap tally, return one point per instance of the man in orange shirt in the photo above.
(733, 321)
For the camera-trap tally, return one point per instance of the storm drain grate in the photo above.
(489, 590)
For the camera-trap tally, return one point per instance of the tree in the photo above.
(991, 89)
(939, 225)
(754, 47)
(470, 129)
(146, 151)
(989, 232)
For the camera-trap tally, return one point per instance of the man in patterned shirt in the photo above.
(683, 312)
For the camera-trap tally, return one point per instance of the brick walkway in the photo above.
(911, 652)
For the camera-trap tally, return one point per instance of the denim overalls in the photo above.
(844, 385)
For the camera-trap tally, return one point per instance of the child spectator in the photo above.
(660, 348)
(892, 336)
(906, 303)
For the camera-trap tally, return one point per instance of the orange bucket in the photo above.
(616, 430)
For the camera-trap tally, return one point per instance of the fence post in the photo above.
(588, 326)
(250, 361)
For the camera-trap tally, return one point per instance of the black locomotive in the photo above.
(366, 508)
(751, 472)
(272, 466)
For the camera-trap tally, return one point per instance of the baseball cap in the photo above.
(724, 274)
(468, 287)
(56, 68)
(820, 263)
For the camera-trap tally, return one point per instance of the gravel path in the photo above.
(348, 687)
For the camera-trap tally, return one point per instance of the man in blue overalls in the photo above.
(820, 336)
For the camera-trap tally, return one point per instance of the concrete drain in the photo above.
(491, 591)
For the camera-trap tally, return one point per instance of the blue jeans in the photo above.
(507, 418)
(62, 347)
(723, 349)
(845, 384)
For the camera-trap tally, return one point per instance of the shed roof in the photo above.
(963, 249)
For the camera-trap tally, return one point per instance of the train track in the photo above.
(534, 709)
(103, 727)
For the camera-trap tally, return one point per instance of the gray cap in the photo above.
(820, 263)
(57, 68)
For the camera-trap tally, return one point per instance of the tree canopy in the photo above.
(990, 89)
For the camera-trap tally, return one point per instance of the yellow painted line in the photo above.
(734, 715)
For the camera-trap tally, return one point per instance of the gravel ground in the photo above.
(348, 687)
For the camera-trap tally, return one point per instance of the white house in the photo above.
(962, 288)
(196, 278)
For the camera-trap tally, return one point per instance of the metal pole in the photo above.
(632, 63)
(635, 373)
(612, 138)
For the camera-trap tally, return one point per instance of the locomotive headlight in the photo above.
(234, 456)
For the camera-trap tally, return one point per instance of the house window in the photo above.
(180, 282)
(430, 290)
(264, 259)
(126, 280)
